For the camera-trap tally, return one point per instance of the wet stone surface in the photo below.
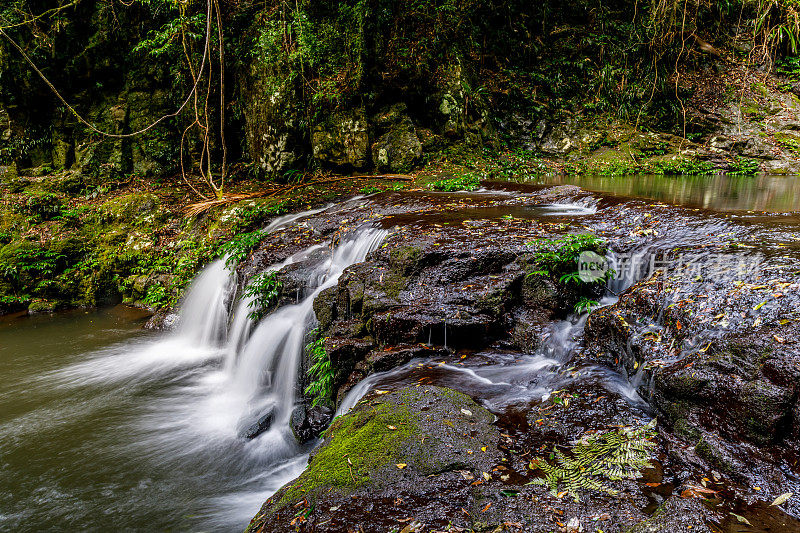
(447, 301)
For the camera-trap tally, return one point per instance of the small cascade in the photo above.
(263, 376)
(204, 311)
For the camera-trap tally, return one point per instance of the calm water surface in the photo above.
(773, 194)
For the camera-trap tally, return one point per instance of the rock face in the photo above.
(722, 361)
(398, 149)
(714, 358)
(384, 439)
(342, 141)
(275, 140)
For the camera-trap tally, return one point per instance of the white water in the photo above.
(203, 385)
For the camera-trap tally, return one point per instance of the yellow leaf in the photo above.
(401, 465)
(391, 427)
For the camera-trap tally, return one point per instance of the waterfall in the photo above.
(265, 370)
(204, 310)
(260, 361)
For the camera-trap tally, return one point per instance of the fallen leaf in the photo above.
(741, 519)
(391, 427)
(783, 498)
(467, 412)
(401, 465)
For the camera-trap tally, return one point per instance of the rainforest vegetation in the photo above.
(123, 113)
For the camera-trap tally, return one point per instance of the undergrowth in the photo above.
(320, 372)
(613, 455)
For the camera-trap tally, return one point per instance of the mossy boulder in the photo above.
(131, 208)
(44, 206)
(342, 140)
(43, 306)
(388, 442)
(398, 148)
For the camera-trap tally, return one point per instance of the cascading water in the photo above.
(162, 419)
(204, 310)
(263, 372)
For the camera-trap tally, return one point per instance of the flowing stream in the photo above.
(145, 433)
(105, 427)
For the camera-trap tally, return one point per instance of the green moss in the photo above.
(134, 208)
(361, 443)
(405, 259)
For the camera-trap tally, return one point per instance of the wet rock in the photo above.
(722, 371)
(162, 320)
(261, 425)
(38, 307)
(396, 447)
(676, 514)
(309, 423)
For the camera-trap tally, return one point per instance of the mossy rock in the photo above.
(43, 306)
(392, 439)
(134, 208)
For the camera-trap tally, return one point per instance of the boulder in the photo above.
(309, 423)
(342, 140)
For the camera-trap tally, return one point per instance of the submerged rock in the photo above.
(261, 425)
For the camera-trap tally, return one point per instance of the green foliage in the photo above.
(264, 288)
(464, 182)
(20, 263)
(165, 43)
(677, 167)
(613, 455)
(157, 296)
(249, 216)
(743, 166)
(559, 257)
(45, 206)
(321, 371)
(585, 305)
(240, 246)
(789, 67)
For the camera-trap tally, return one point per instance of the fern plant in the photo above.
(612, 455)
(559, 257)
(585, 305)
(320, 372)
(265, 288)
